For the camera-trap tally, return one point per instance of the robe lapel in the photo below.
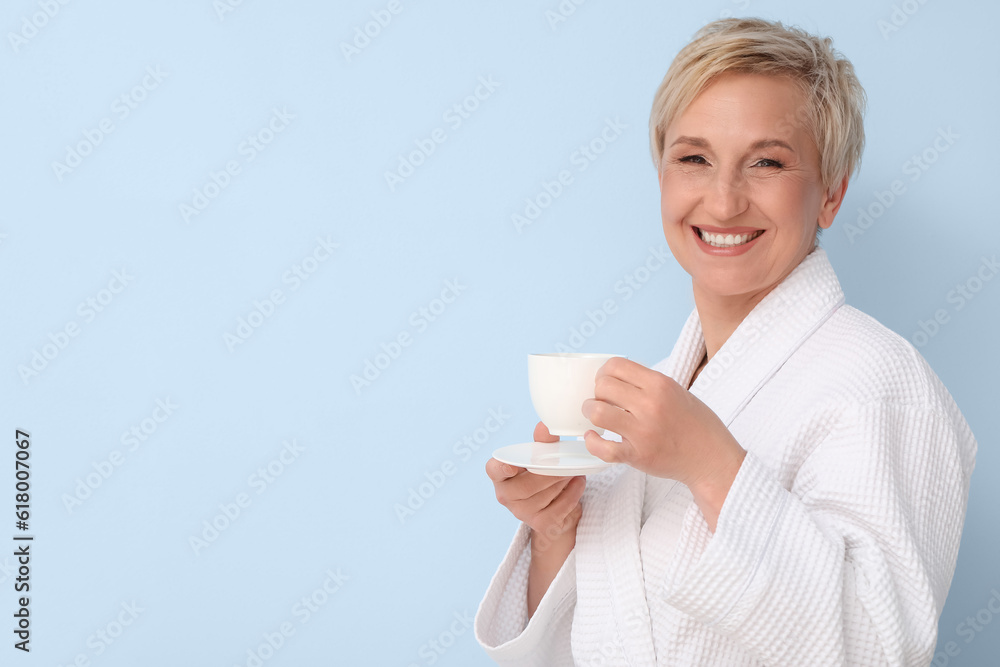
(687, 353)
(617, 518)
(623, 565)
(768, 336)
(614, 519)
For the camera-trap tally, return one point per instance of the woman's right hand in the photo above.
(549, 505)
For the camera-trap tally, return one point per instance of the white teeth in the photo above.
(727, 240)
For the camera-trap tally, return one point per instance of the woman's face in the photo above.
(740, 187)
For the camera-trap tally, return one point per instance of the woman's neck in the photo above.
(720, 315)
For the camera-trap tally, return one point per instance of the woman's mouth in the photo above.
(727, 240)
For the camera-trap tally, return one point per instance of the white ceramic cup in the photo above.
(559, 384)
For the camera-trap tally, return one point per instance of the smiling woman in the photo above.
(791, 481)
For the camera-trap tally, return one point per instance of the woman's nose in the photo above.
(726, 197)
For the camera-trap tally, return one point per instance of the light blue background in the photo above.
(332, 507)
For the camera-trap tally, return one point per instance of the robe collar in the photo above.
(762, 343)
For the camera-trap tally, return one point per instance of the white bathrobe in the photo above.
(836, 544)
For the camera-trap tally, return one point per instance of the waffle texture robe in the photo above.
(836, 544)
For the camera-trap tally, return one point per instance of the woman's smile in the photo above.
(726, 242)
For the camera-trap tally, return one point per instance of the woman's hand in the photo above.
(550, 506)
(666, 432)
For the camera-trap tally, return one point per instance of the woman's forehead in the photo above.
(752, 107)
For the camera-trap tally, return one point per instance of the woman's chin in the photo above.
(726, 285)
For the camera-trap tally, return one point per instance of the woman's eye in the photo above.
(694, 159)
(766, 162)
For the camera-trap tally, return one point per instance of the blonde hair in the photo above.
(835, 100)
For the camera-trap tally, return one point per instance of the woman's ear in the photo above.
(831, 203)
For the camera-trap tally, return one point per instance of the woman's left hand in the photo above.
(666, 432)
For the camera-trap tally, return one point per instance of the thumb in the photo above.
(542, 434)
(608, 451)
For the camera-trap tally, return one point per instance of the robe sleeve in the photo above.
(852, 564)
(502, 625)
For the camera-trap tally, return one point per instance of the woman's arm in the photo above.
(526, 616)
(853, 564)
(849, 562)
(502, 625)
(549, 551)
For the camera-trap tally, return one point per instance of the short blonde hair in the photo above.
(835, 104)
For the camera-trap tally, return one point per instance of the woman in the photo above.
(793, 476)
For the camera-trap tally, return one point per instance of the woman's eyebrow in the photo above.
(770, 143)
(699, 142)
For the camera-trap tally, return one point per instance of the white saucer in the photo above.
(566, 458)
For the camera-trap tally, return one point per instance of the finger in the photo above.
(522, 486)
(604, 415)
(608, 451)
(617, 392)
(563, 504)
(499, 471)
(552, 522)
(627, 370)
(537, 502)
(542, 434)
(616, 367)
(574, 490)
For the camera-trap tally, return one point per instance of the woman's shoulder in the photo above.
(856, 354)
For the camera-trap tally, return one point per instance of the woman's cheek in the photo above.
(676, 205)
